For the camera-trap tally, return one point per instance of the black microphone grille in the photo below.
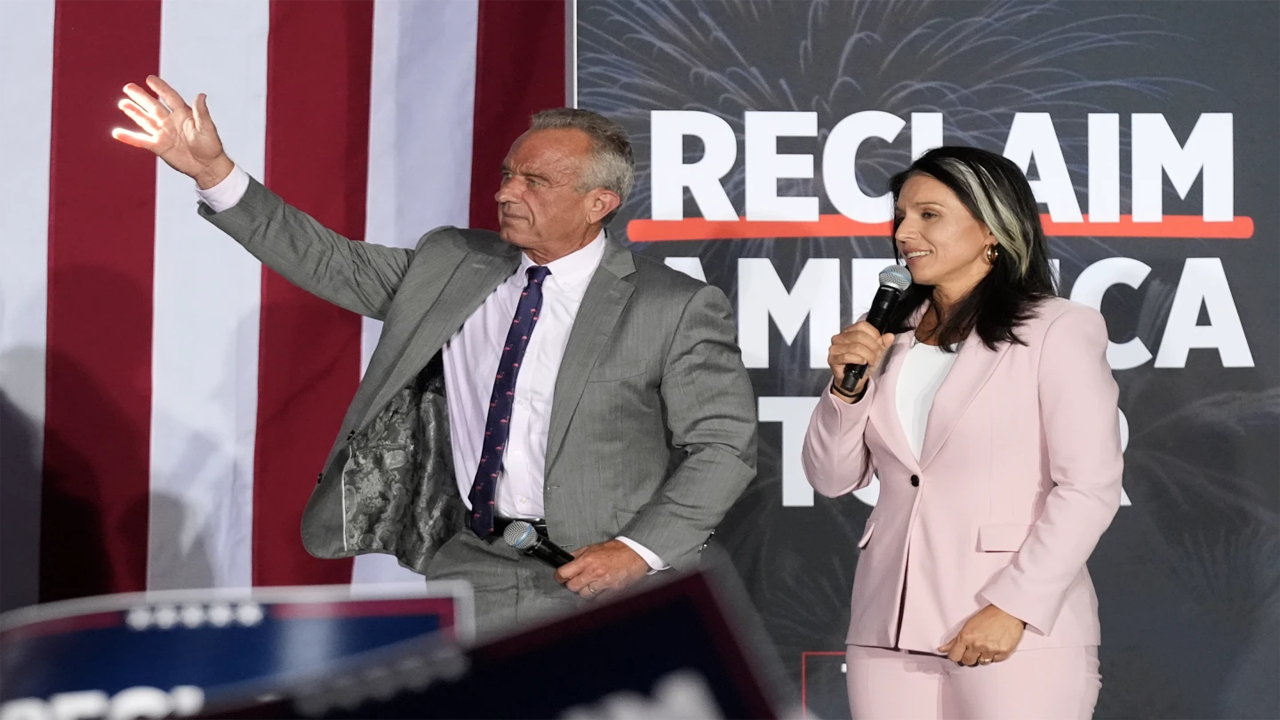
(896, 277)
(520, 535)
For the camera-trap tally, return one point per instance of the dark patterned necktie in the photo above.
(498, 426)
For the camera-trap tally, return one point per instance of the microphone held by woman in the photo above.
(894, 279)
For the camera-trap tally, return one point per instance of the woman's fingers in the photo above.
(867, 351)
(851, 355)
(858, 344)
(139, 116)
(861, 331)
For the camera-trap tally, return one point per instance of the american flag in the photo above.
(167, 401)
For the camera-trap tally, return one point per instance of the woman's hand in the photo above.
(990, 635)
(858, 344)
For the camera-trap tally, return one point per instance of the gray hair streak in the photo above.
(1001, 218)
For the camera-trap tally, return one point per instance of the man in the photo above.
(541, 373)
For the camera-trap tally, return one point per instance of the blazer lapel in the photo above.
(475, 278)
(884, 411)
(602, 304)
(973, 368)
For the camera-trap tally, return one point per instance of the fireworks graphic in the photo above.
(976, 63)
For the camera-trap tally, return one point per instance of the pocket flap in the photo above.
(609, 373)
(866, 534)
(1002, 538)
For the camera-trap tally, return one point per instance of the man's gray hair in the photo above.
(612, 164)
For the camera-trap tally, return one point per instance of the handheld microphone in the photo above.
(894, 280)
(521, 536)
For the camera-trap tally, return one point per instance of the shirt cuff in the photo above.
(227, 193)
(655, 562)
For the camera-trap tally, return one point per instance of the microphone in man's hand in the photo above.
(894, 280)
(523, 537)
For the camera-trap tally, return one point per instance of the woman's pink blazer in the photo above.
(1018, 478)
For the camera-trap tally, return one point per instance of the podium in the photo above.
(175, 652)
(682, 648)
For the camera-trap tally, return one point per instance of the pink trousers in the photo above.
(1048, 684)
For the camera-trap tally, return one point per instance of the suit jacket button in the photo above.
(915, 481)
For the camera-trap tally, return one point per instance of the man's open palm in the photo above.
(186, 139)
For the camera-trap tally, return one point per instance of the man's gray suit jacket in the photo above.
(652, 429)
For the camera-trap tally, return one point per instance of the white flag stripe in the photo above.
(423, 98)
(26, 74)
(206, 305)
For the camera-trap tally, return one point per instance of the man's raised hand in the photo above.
(186, 139)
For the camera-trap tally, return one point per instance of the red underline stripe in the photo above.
(1171, 226)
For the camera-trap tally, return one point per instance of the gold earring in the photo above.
(993, 253)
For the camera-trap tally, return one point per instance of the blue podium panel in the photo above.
(670, 650)
(198, 646)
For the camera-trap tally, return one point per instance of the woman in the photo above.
(989, 413)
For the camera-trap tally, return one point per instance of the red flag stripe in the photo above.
(520, 69)
(318, 74)
(94, 502)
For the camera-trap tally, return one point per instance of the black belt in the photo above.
(500, 525)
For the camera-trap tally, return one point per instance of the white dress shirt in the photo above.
(923, 370)
(471, 359)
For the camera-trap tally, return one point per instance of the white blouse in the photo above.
(923, 371)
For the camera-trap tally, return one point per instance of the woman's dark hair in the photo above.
(997, 194)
